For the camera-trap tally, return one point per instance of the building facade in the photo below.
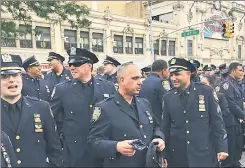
(126, 31)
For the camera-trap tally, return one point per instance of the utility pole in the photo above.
(150, 31)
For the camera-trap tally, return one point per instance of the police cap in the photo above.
(153, 157)
(111, 60)
(31, 61)
(196, 63)
(222, 66)
(78, 55)
(11, 64)
(180, 64)
(146, 69)
(209, 67)
(53, 55)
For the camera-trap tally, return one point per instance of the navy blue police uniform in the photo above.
(112, 77)
(29, 124)
(8, 158)
(72, 104)
(194, 76)
(114, 120)
(235, 93)
(192, 123)
(229, 121)
(52, 78)
(153, 89)
(34, 86)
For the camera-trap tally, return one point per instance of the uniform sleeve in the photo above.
(223, 105)
(233, 106)
(10, 150)
(57, 108)
(99, 135)
(217, 124)
(165, 126)
(53, 144)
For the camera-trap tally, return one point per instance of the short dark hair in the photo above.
(100, 70)
(210, 78)
(233, 66)
(159, 65)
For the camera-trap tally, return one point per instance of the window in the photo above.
(84, 40)
(164, 48)
(118, 44)
(171, 48)
(129, 45)
(97, 42)
(70, 39)
(239, 52)
(138, 45)
(189, 48)
(9, 41)
(43, 39)
(25, 36)
(156, 47)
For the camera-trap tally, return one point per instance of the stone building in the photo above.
(122, 29)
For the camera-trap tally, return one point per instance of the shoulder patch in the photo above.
(226, 86)
(215, 96)
(96, 113)
(166, 85)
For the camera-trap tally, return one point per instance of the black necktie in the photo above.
(13, 116)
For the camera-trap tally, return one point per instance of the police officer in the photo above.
(100, 72)
(228, 119)
(209, 69)
(33, 85)
(59, 73)
(145, 71)
(155, 86)
(27, 120)
(72, 103)
(195, 76)
(121, 119)
(234, 93)
(8, 158)
(110, 69)
(192, 121)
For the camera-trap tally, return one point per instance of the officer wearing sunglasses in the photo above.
(72, 103)
(27, 121)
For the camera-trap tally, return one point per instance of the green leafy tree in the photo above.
(55, 11)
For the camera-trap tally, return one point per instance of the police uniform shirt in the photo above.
(13, 111)
(184, 95)
(88, 90)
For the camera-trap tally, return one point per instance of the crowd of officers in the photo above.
(168, 114)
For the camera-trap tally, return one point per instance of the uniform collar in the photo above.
(154, 74)
(7, 104)
(187, 90)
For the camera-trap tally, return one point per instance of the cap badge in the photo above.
(73, 51)
(173, 61)
(7, 58)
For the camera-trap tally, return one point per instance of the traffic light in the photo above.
(226, 30)
(232, 30)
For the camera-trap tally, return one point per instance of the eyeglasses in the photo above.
(7, 76)
(77, 64)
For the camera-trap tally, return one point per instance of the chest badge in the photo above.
(38, 123)
(201, 103)
(96, 113)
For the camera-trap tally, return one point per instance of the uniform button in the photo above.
(173, 150)
(18, 150)
(112, 158)
(90, 105)
(141, 126)
(188, 142)
(17, 137)
(186, 121)
(124, 135)
(37, 89)
(19, 161)
(147, 146)
(188, 92)
(38, 140)
(187, 132)
(184, 111)
(75, 141)
(144, 136)
(201, 115)
(71, 112)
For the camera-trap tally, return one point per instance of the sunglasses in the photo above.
(7, 76)
(77, 64)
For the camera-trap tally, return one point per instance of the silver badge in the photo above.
(7, 58)
(73, 51)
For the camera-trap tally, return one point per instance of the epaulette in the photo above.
(105, 100)
(64, 82)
